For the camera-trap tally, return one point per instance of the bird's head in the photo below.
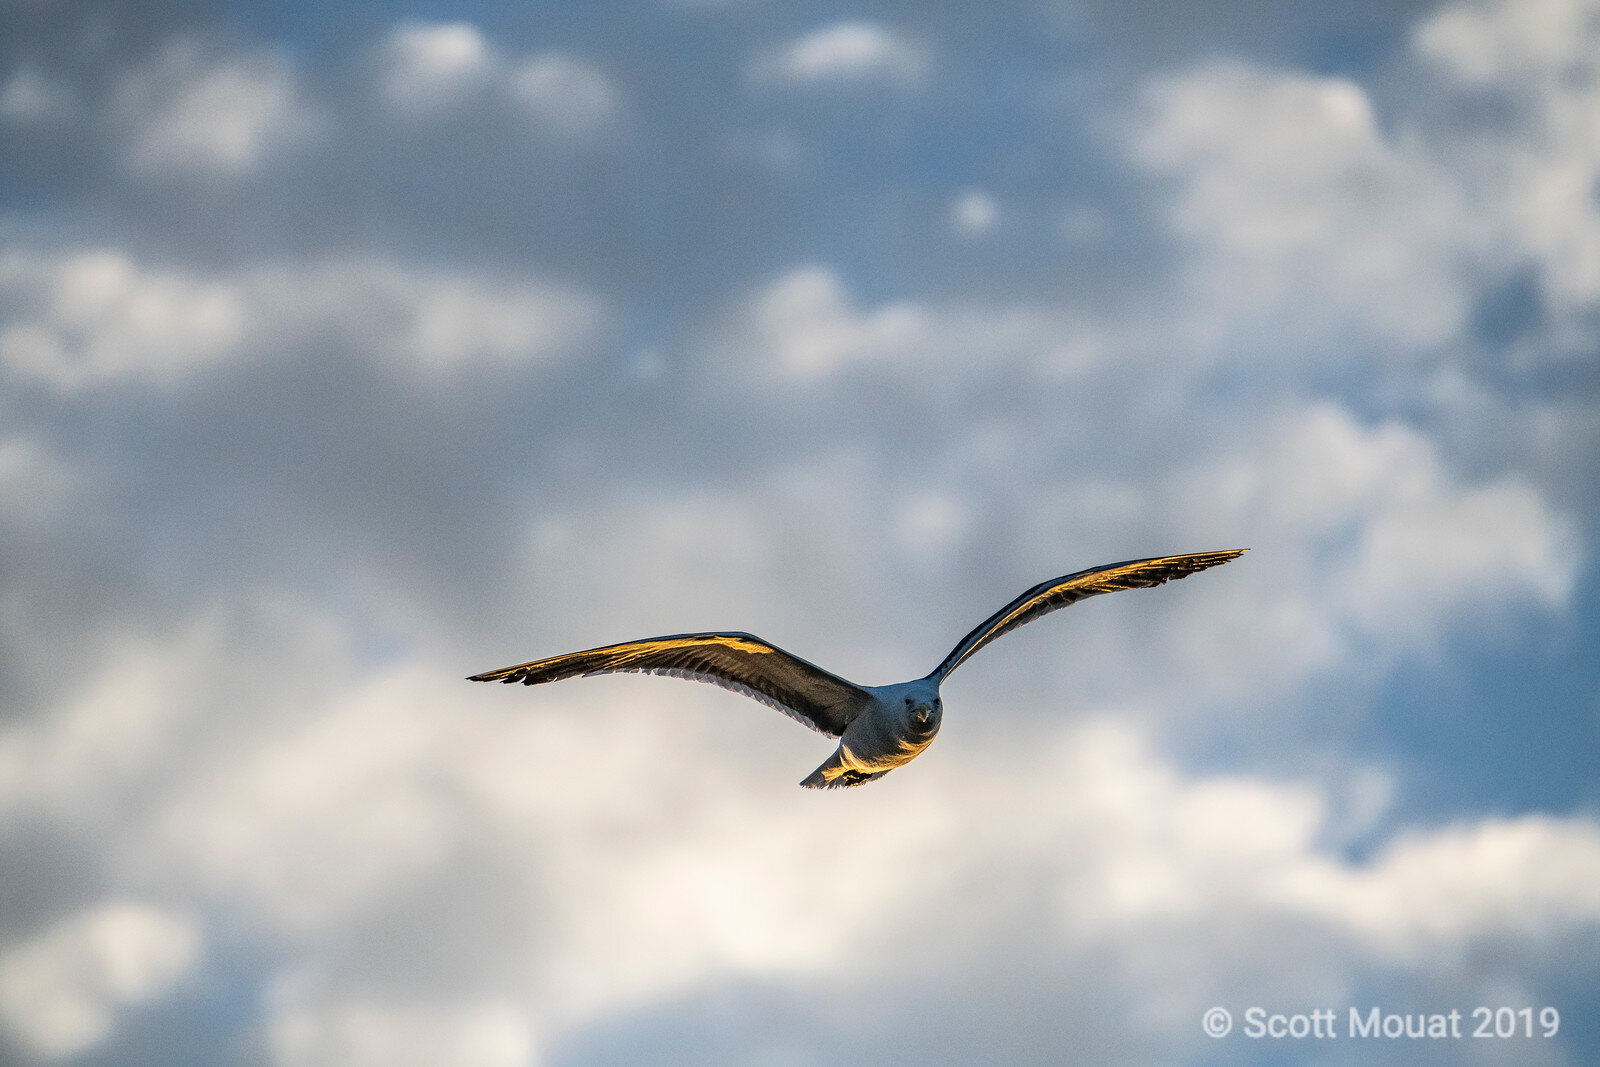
(923, 711)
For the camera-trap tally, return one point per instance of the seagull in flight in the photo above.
(879, 727)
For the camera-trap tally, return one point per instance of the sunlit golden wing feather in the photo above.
(741, 662)
(1059, 592)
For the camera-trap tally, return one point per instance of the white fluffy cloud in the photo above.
(1148, 844)
(60, 992)
(846, 53)
(257, 826)
(1490, 43)
(1306, 208)
(1413, 542)
(657, 843)
(84, 318)
(99, 315)
(429, 70)
(188, 112)
(115, 728)
(974, 213)
(1368, 534)
(1540, 174)
(1303, 217)
(1371, 546)
(662, 847)
(806, 326)
(1368, 548)
(459, 321)
(811, 327)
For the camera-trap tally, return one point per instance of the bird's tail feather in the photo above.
(833, 774)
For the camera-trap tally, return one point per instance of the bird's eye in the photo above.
(908, 702)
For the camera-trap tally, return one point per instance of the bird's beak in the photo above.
(921, 713)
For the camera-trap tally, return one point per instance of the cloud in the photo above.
(636, 840)
(34, 485)
(1303, 207)
(1320, 473)
(98, 315)
(1489, 43)
(565, 93)
(1421, 894)
(811, 328)
(190, 113)
(1439, 555)
(1300, 212)
(1374, 543)
(427, 468)
(257, 826)
(31, 97)
(846, 53)
(665, 853)
(86, 318)
(931, 524)
(974, 213)
(60, 992)
(441, 321)
(426, 69)
(461, 321)
(1538, 173)
(805, 326)
(430, 70)
(1369, 542)
(73, 761)
(1149, 845)
(307, 1033)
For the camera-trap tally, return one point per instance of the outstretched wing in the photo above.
(740, 662)
(1059, 592)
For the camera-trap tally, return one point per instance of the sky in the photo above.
(347, 349)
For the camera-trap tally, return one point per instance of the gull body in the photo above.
(898, 722)
(879, 727)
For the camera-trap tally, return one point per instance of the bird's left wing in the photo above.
(741, 662)
(1059, 592)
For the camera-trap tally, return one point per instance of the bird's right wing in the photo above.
(737, 661)
(1059, 592)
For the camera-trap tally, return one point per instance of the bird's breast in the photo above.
(880, 741)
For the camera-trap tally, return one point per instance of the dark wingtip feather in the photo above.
(1202, 560)
(491, 676)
